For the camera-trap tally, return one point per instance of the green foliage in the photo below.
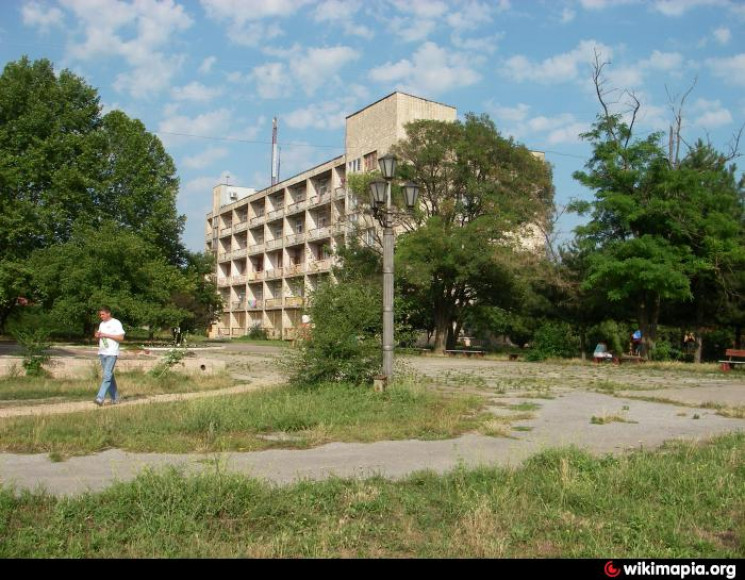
(554, 339)
(65, 168)
(170, 359)
(478, 190)
(109, 265)
(614, 334)
(257, 333)
(344, 342)
(34, 344)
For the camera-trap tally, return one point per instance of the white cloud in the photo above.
(510, 114)
(245, 17)
(328, 115)
(664, 61)
(422, 9)
(195, 91)
(680, 7)
(209, 124)
(316, 67)
(410, 29)
(41, 16)
(342, 13)
(488, 44)
(559, 68)
(272, 80)
(569, 133)
(205, 158)
(246, 10)
(710, 114)
(602, 4)
(199, 189)
(138, 32)
(470, 17)
(431, 70)
(207, 64)
(567, 15)
(731, 69)
(722, 35)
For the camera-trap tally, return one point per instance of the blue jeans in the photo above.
(108, 384)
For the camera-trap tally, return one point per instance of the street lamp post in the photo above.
(380, 202)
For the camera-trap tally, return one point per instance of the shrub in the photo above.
(554, 339)
(616, 336)
(343, 344)
(34, 344)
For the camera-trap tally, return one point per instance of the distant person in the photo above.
(602, 353)
(636, 343)
(109, 334)
(689, 342)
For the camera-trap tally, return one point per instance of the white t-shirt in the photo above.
(108, 346)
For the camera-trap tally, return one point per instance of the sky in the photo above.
(208, 76)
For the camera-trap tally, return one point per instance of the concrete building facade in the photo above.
(273, 247)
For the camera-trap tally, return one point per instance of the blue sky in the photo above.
(219, 70)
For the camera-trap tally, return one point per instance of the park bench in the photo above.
(464, 352)
(732, 354)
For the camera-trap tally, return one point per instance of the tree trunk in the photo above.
(699, 330)
(442, 322)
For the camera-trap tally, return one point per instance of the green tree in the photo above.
(63, 165)
(199, 296)
(661, 231)
(109, 265)
(480, 193)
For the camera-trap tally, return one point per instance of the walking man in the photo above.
(109, 334)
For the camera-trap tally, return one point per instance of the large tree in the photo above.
(480, 194)
(662, 231)
(63, 165)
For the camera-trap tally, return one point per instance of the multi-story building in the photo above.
(275, 246)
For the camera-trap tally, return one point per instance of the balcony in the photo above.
(226, 231)
(340, 192)
(294, 239)
(223, 281)
(273, 274)
(223, 256)
(317, 233)
(277, 213)
(238, 305)
(255, 276)
(238, 279)
(294, 270)
(240, 226)
(273, 303)
(294, 302)
(257, 220)
(273, 244)
(320, 266)
(255, 304)
(296, 207)
(239, 253)
(255, 249)
(320, 199)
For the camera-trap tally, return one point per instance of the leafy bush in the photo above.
(614, 334)
(34, 344)
(343, 344)
(554, 339)
(257, 333)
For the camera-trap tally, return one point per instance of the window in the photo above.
(371, 161)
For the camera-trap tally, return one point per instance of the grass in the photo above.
(683, 501)
(130, 383)
(605, 419)
(252, 421)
